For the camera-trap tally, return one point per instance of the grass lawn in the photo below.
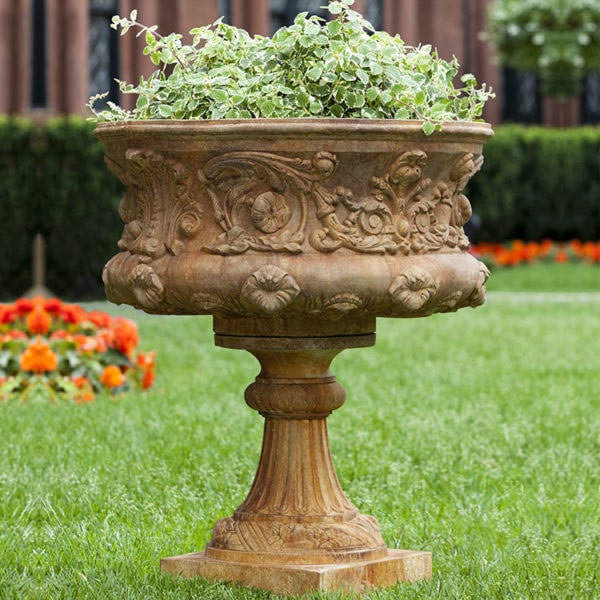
(472, 435)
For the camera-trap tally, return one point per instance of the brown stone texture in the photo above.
(295, 235)
(398, 566)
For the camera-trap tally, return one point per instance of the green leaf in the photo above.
(219, 96)
(428, 127)
(302, 98)
(314, 74)
(372, 94)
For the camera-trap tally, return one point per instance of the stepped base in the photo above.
(398, 566)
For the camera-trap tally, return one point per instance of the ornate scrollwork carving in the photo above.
(270, 289)
(260, 199)
(464, 168)
(375, 223)
(159, 209)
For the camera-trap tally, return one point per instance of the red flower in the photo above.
(8, 313)
(17, 334)
(148, 363)
(561, 256)
(38, 320)
(72, 313)
(126, 335)
(23, 306)
(53, 305)
(99, 319)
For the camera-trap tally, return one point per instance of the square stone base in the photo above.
(398, 566)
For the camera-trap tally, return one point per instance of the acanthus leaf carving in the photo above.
(159, 209)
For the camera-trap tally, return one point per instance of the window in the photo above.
(590, 109)
(284, 11)
(38, 53)
(104, 50)
(374, 13)
(522, 101)
(225, 10)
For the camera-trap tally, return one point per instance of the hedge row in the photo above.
(539, 183)
(53, 180)
(535, 183)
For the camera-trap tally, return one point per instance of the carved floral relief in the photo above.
(259, 199)
(270, 289)
(413, 289)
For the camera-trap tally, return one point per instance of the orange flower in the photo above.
(38, 320)
(561, 256)
(88, 345)
(17, 334)
(38, 358)
(99, 319)
(112, 377)
(85, 393)
(148, 379)
(126, 335)
(147, 362)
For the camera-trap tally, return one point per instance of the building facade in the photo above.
(54, 54)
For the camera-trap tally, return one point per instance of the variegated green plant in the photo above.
(313, 68)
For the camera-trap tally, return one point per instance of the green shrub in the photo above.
(83, 197)
(539, 183)
(17, 197)
(53, 181)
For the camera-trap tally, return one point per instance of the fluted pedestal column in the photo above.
(296, 530)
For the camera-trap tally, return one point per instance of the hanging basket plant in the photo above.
(558, 40)
(57, 352)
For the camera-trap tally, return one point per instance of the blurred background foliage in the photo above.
(54, 182)
(558, 40)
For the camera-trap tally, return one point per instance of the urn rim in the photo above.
(311, 127)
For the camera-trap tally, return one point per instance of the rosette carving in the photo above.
(260, 199)
(159, 209)
(270, 289)
(413, 289)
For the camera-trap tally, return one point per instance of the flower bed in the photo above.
(519, 252)
(54, 351)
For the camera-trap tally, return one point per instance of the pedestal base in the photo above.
(398, 566)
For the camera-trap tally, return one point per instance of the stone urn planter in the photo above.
(295, 235)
